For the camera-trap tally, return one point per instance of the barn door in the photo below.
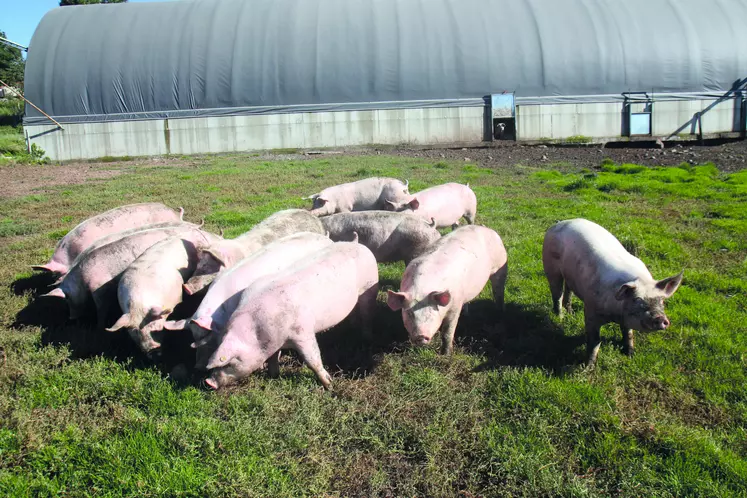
(503, 111)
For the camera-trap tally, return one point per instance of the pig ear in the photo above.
(55, 293)
(414, 203)
(222, 355)
(624, 290)
(390, 206)
(670, 285)
(441, 298)
(321, 200)
(216, 254)
(396, 300)
(52, 266)
(205, 322)
(124, 321)
(175, 325)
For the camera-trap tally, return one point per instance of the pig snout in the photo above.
(197, 283)
(661, 322)
(154, 354)
(420, 340)
(219, 378)
(420, 337)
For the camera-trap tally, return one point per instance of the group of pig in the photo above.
(300, 272)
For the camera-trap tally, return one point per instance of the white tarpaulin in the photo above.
(222, 57)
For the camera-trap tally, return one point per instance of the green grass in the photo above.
(578, 139)
(512, 413)
(13, 148)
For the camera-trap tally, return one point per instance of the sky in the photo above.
(19, 18)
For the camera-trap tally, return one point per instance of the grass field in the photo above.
(513, 413)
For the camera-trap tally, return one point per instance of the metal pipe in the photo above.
(13, 44)
(32, 105)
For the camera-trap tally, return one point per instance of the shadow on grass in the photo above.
(38, 283)
(522, 336)
(525, 336)
(346, 351)
(85, 340)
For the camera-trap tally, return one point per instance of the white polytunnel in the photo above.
(194, 58)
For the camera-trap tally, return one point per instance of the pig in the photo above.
(452, 272)
(227, 253)
(288, 311)
(581, 257)
(224, 293)
(446, 204)
(112, 221)
(151, 287)
(108, 239)
(96, 275)
(389, 236)
(363, 195)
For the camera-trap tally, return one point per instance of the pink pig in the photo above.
(445, 204)
(452, 272)
(288, 310)
(362, 195)
(110, 222)
(227, 253)
(96, 275)
(224, 293)
(583, 258)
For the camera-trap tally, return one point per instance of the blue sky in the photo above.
(19, 18)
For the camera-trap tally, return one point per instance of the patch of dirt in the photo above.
(23, 179)
(727, 157)
(20, 180)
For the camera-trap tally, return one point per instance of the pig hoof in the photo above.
(327, 381)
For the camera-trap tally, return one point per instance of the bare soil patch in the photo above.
(727, 157)
(20, 180)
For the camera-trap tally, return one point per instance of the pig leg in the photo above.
(308, 348)
(454, 226)
(448, 327)
(366, 310)
(273, 365)
(567, 298)
(557, 283)
(470, 217)
(498, 283)
(103, 305)
(628, 341)
(593, 340)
